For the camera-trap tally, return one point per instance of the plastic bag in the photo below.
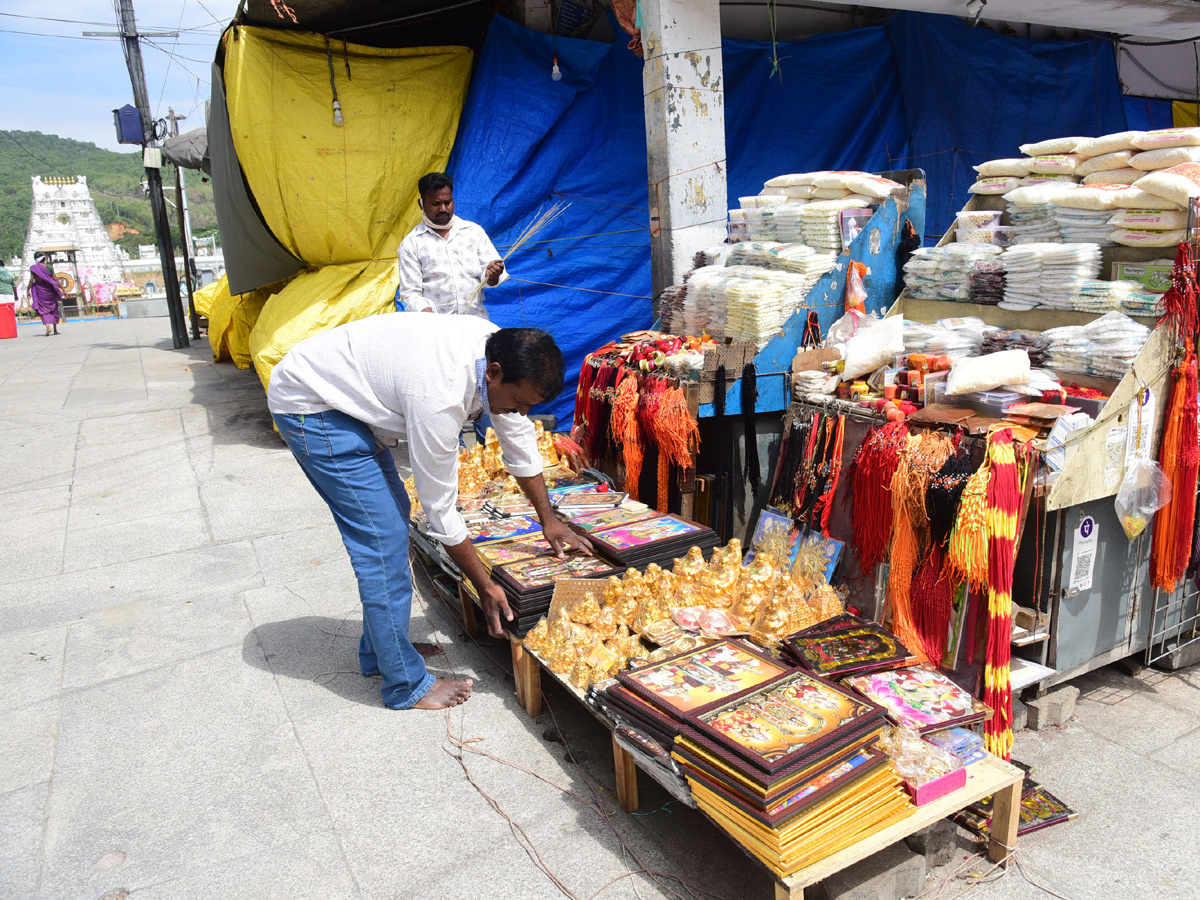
(1145, 490)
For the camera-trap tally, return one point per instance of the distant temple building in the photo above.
(64, 216)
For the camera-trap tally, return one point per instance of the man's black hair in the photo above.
(434, 181)
(527, 354)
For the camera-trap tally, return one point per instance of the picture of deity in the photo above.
(916, 696)
(705, 676)
(647, 531)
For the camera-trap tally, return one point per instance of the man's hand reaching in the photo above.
(562, 538)
(494, 270)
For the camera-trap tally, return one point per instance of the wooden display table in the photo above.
(991, 775)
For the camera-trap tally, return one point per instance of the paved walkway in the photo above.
(181, 715)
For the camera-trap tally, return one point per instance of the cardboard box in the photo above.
(1154, 277)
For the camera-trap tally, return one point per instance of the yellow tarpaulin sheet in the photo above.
(1184, 114)
(337, 196)
(202, 298)
(231, 319)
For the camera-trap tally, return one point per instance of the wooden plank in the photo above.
(784, 893)
(531, 681)
(929, 311)
(470, 625)
(988, 776)
(626, 770)
(1006, 816)
(518, 655)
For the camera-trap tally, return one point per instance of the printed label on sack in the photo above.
(1083, 555)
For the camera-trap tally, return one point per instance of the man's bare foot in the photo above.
(426, 649)
(445, 692)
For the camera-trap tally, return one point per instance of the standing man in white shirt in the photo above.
(341, 397)
(445, 259)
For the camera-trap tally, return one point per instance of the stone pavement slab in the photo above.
(181, 714)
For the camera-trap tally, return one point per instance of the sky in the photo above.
(58, 82)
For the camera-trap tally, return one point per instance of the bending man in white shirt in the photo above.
(341, 397)
(445, 259)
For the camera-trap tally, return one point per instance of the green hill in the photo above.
(114, 179)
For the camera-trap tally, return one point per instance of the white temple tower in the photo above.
(63, 214)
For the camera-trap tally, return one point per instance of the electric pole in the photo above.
(185, 231)
(152, 159)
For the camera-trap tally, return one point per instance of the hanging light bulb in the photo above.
(337, 114)
(555, 72)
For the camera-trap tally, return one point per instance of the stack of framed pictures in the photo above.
(529, 583)
(658, 698)
(1039, 809)
(791, 770)
(650, 540)
(849, 647)
(499, 553)
(924, 700)
(781, 759)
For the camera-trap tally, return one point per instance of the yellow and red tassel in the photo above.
(1003, 510)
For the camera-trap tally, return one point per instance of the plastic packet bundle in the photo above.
(1033, 343)
(1068, 349)
(1085, 226)
(1033, 224)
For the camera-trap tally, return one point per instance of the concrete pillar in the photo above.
(684, 88)
(533, 14)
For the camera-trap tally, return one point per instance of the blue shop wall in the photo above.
(923, 91)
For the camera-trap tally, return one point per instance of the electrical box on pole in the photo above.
(129, 124)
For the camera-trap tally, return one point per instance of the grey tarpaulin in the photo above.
(253, 257)
(189, 150)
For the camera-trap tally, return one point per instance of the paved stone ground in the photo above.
(181, 715)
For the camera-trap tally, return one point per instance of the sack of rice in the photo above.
(1176, 185)
(785, 181)
(1168, 137)
(838, 193)
(1091, 196)
(1054, 145)
(1153, 219)
(795, 191)
(1032, 180)
(1016, 168)
(999, 184)
(863, 183)
(1149, 160)
(1144, 238)
(1055, 164)
(1114, 176)
(1037, 195)
(1109, 143)
(1118, 160)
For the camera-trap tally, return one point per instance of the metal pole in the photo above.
(162, 229)
(185, 233)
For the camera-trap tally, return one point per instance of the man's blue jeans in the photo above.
(370, 506)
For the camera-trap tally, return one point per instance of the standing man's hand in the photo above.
(495, 605)
(494, 270)
(562, 538)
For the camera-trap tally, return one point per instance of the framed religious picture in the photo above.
(920, 698)
(500, 553)
(788, 721)
(846, 651)
(502, 529)
(699, 678)
(644, 532)
(529, 575)
(610, 518)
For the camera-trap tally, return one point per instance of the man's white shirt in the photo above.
(442, 274)
(408, 376)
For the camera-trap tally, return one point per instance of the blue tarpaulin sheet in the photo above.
(923, 92)
(971, 95)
